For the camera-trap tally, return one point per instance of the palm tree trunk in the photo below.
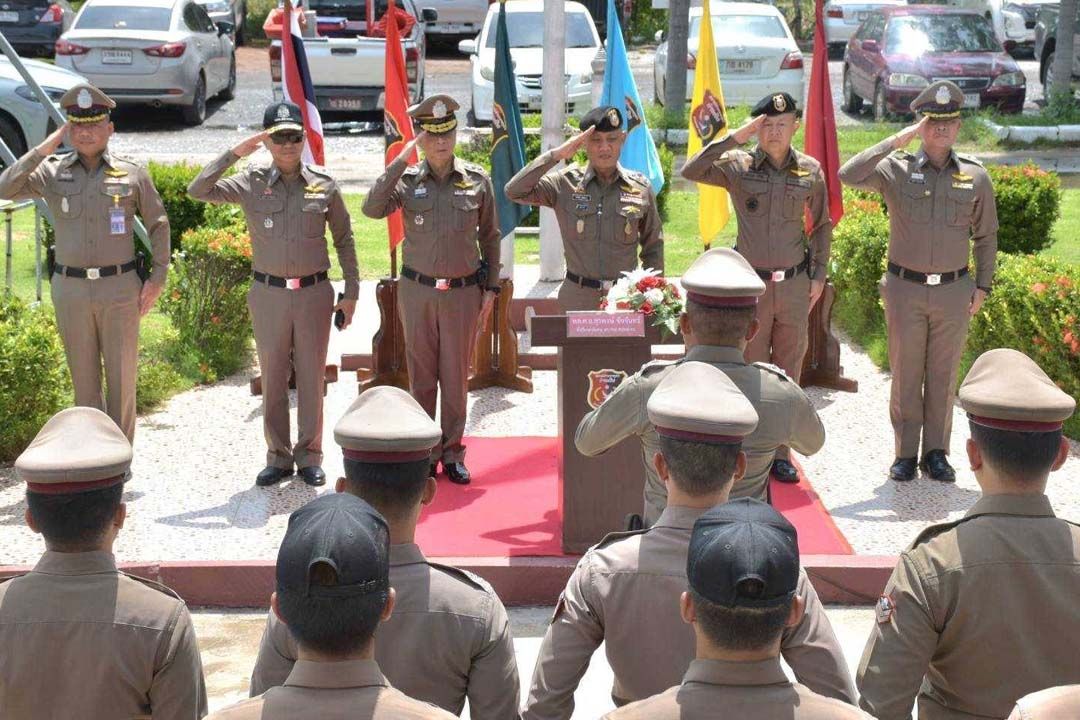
(1063, 51)
(678, 32)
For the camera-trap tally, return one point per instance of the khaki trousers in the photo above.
(99, 320)
(574, 297)
(927, 328)
(292, 330)
(440, 331)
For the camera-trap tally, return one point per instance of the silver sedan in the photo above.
(157, 52)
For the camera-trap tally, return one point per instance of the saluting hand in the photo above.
(902, 138)
(411, 145)
(570, 148)
(250, 145)
(52, 143)
(749, 129)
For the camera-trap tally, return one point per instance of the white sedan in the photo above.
(755, 51)
(525, 28)
(24, 122)
(843, 18)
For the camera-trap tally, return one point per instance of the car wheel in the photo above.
(1048, 76)
(881, 110)
(12, 137)
(195, 113)
(852, 102)
(230, 90)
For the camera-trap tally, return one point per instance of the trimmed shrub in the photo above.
(185, 212)
(859, 247)
(34, 382)
(166, 366)
(1028, 204)
(643, 23)
(257, 10)
(206, 299)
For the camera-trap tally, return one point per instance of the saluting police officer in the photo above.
(453, 615)
(98, 288)
(79, 637)
(624, 592)
(288, 205)
(722, 294)
(771, 187)
(607, 214)
(940, 204)
(982, 611)
(450, 267)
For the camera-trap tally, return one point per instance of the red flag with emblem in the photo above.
(820, 137)
(396, 122)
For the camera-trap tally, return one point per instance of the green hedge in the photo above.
(34, 382)
(184, 211)
(1028, 204)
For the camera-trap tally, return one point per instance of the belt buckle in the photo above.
(93, 273)
(933, 279)
(292, 283)
(779, 275)
(606, 285)
(442, 283)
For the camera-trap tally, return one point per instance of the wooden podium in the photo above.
(595, 493)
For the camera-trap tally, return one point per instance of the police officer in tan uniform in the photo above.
(80, 638)
(743, 572)
(97, 293)
(940, 204)
(607, 214)
(982, 611)
(722, 295)
(333, 591)
(771, 189)
(449, 637)
(288, 205)
(1050, 704)
(624, 592)
(450, 268)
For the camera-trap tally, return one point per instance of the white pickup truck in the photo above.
(347, 66)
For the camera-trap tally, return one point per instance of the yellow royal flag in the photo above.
(708, 118)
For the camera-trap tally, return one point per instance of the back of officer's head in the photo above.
(1015, 413)
(701, 419)
(386, 438)
(74, 471)
(742, 568)
(333, 579)
(722, 291)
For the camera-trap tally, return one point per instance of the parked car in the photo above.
(843, 17)
(33, 26)
(899, 51)
(1007, 23)
(234, 11)
(525, 28)
(1028, 10)
(1046, 44)
(755, 51)
(24, 122)
(157, 52)
(456, 17)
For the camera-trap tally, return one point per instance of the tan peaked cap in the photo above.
(386, 425)
(722, 277)
(1008, 390)
(78, 450)
(698, 402)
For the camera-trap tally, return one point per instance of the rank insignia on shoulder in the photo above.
(115, 173)
(884, 609)
(799, 173)
(961, 177)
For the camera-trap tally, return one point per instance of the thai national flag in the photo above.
(296, 83)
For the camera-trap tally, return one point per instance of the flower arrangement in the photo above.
(646, 291)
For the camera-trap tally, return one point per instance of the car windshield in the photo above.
(526, 30)
(921, 34)
(741, 26)
(115, 17)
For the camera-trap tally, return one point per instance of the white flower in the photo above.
(615, 293)
(654, 296)
(634, 276)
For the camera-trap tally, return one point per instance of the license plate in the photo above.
(971, 100)
(739, 66)
(9, 17)
(115, 57)
(346, 104)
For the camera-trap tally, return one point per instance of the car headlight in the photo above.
(26, 93)
(488, 73)
(907, 80)
(1009, 79)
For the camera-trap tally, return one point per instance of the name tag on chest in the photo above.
(917, 178)
(117, 221)
(420, 192)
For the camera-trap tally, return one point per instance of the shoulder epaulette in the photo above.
(320, 170)
(933, 531)
(12, 577)
(902, 155)
(970, 158)
(412, 170)
(473, 167)
(654, 365)
(618, 535)
(165, 589)
(775, 370)
(464, 575)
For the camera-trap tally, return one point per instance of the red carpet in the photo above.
(510, 509)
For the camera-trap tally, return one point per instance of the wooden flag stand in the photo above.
(495, 357)
(821, 364)
(387, 346)
(330, 375)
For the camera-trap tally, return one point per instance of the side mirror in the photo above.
(429, 15)
(468, 47)
(871, 46)
(659, 37)
(225, 27)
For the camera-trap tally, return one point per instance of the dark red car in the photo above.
(898, 51)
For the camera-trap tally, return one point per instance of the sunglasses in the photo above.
(287, 138)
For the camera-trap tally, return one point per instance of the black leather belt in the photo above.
(95, 272)
(589, 282)
(440, 283)
(782, 275)
(289, 283)
(927, 278)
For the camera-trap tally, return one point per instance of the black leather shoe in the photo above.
(313, 475)
(272, 475)
(903, 469)
(784, 472)
(937, 466)
(457, 472)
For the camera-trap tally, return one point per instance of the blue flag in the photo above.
(508, 137)
(620, 90)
